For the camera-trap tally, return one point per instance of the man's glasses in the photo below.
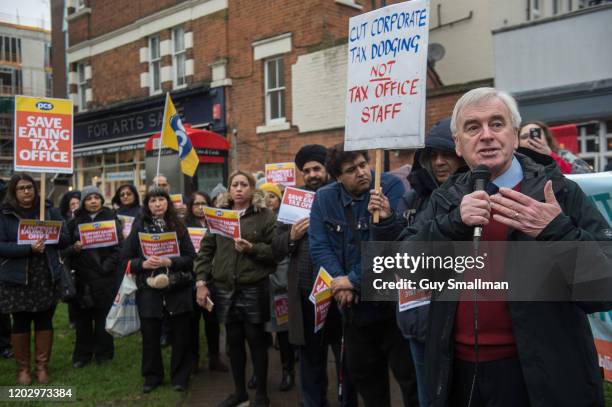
(125, 194)
(25, 188)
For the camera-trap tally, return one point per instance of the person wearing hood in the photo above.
(29, 278)
(95, 276)
(433, 165)
(69, 203)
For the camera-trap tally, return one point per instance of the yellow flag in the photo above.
(175, 137)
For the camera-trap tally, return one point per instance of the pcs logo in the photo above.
(155, 237)
(44, 106)
(219, 213)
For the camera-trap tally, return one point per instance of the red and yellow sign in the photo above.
(159, 244)
(43, 135)
(281, 308)
(196, 235)
(98, 234)
(321, 297)
(223, 222)
(281, 173)
(126, 224)
(31, 231)
(177, 200)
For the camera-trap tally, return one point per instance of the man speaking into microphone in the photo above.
(522, 353)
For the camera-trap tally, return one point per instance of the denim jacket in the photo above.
(332, 244)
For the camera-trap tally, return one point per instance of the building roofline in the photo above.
(25, 27)
(572, 14)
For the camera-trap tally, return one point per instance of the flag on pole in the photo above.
(175, 137)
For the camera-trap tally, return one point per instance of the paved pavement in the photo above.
(210, 388)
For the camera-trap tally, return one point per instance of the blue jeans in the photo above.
(418, 358)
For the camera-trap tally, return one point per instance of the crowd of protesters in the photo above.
(526, 357)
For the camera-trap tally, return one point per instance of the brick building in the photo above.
(269, 78)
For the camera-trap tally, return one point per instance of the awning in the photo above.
(211, 147)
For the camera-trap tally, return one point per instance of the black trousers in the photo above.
(287, 354)
(313, 358)
(372, 349)
(43, 321)
(5, 332)
(499, 383)
(181, 359)
(255, 335)
(211, 328)
(92, 340)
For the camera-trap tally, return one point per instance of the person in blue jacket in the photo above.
(339, 222)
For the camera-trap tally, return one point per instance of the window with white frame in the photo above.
(80, 4)
(179, 55)
(154, 65)
(535, 8)
(275, 90)
(81, 87)
(555, 7)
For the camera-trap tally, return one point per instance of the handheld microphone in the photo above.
(481, 175)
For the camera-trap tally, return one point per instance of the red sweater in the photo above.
(495, 335)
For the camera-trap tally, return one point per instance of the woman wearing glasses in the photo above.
(29, 279)
(195, 219)
(126, 198)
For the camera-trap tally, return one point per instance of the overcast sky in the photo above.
(31, 12)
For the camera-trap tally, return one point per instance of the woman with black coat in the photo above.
(95, 276)
(175, 300)
(127, 199)
(29, 278)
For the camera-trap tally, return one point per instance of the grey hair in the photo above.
(475, 96)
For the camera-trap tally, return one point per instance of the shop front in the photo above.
(109, 143)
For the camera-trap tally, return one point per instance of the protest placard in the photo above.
(98, 234)
(196, 235)
(409, 299)
(295, 205)
(281, 173)
(281, 308)
(177, 200)
(321, 297)
(31, 231)
(126, 224)
(223, 222)
(387, 75)
(43, 135)
(159, 244)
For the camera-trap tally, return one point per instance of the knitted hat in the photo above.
(217, 190)
(310, 152)
(89, 190)
(272, 188)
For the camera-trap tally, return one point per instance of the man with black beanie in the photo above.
(292, 241)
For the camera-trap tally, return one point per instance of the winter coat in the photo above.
(175, 299)
(334, 246)
(299, 256)
(95, 269)
(14, 257)
(232, 268)
(553, 339)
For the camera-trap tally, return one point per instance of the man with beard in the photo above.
(339, 223)
(292, 241)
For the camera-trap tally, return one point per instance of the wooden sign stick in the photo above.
(377, 174)
(42, 195)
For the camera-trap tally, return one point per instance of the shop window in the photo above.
(179, 55)
(81, 88)
(80, 4)
(154, 65)
(48, 84)
(535, 9)
(274, 90)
